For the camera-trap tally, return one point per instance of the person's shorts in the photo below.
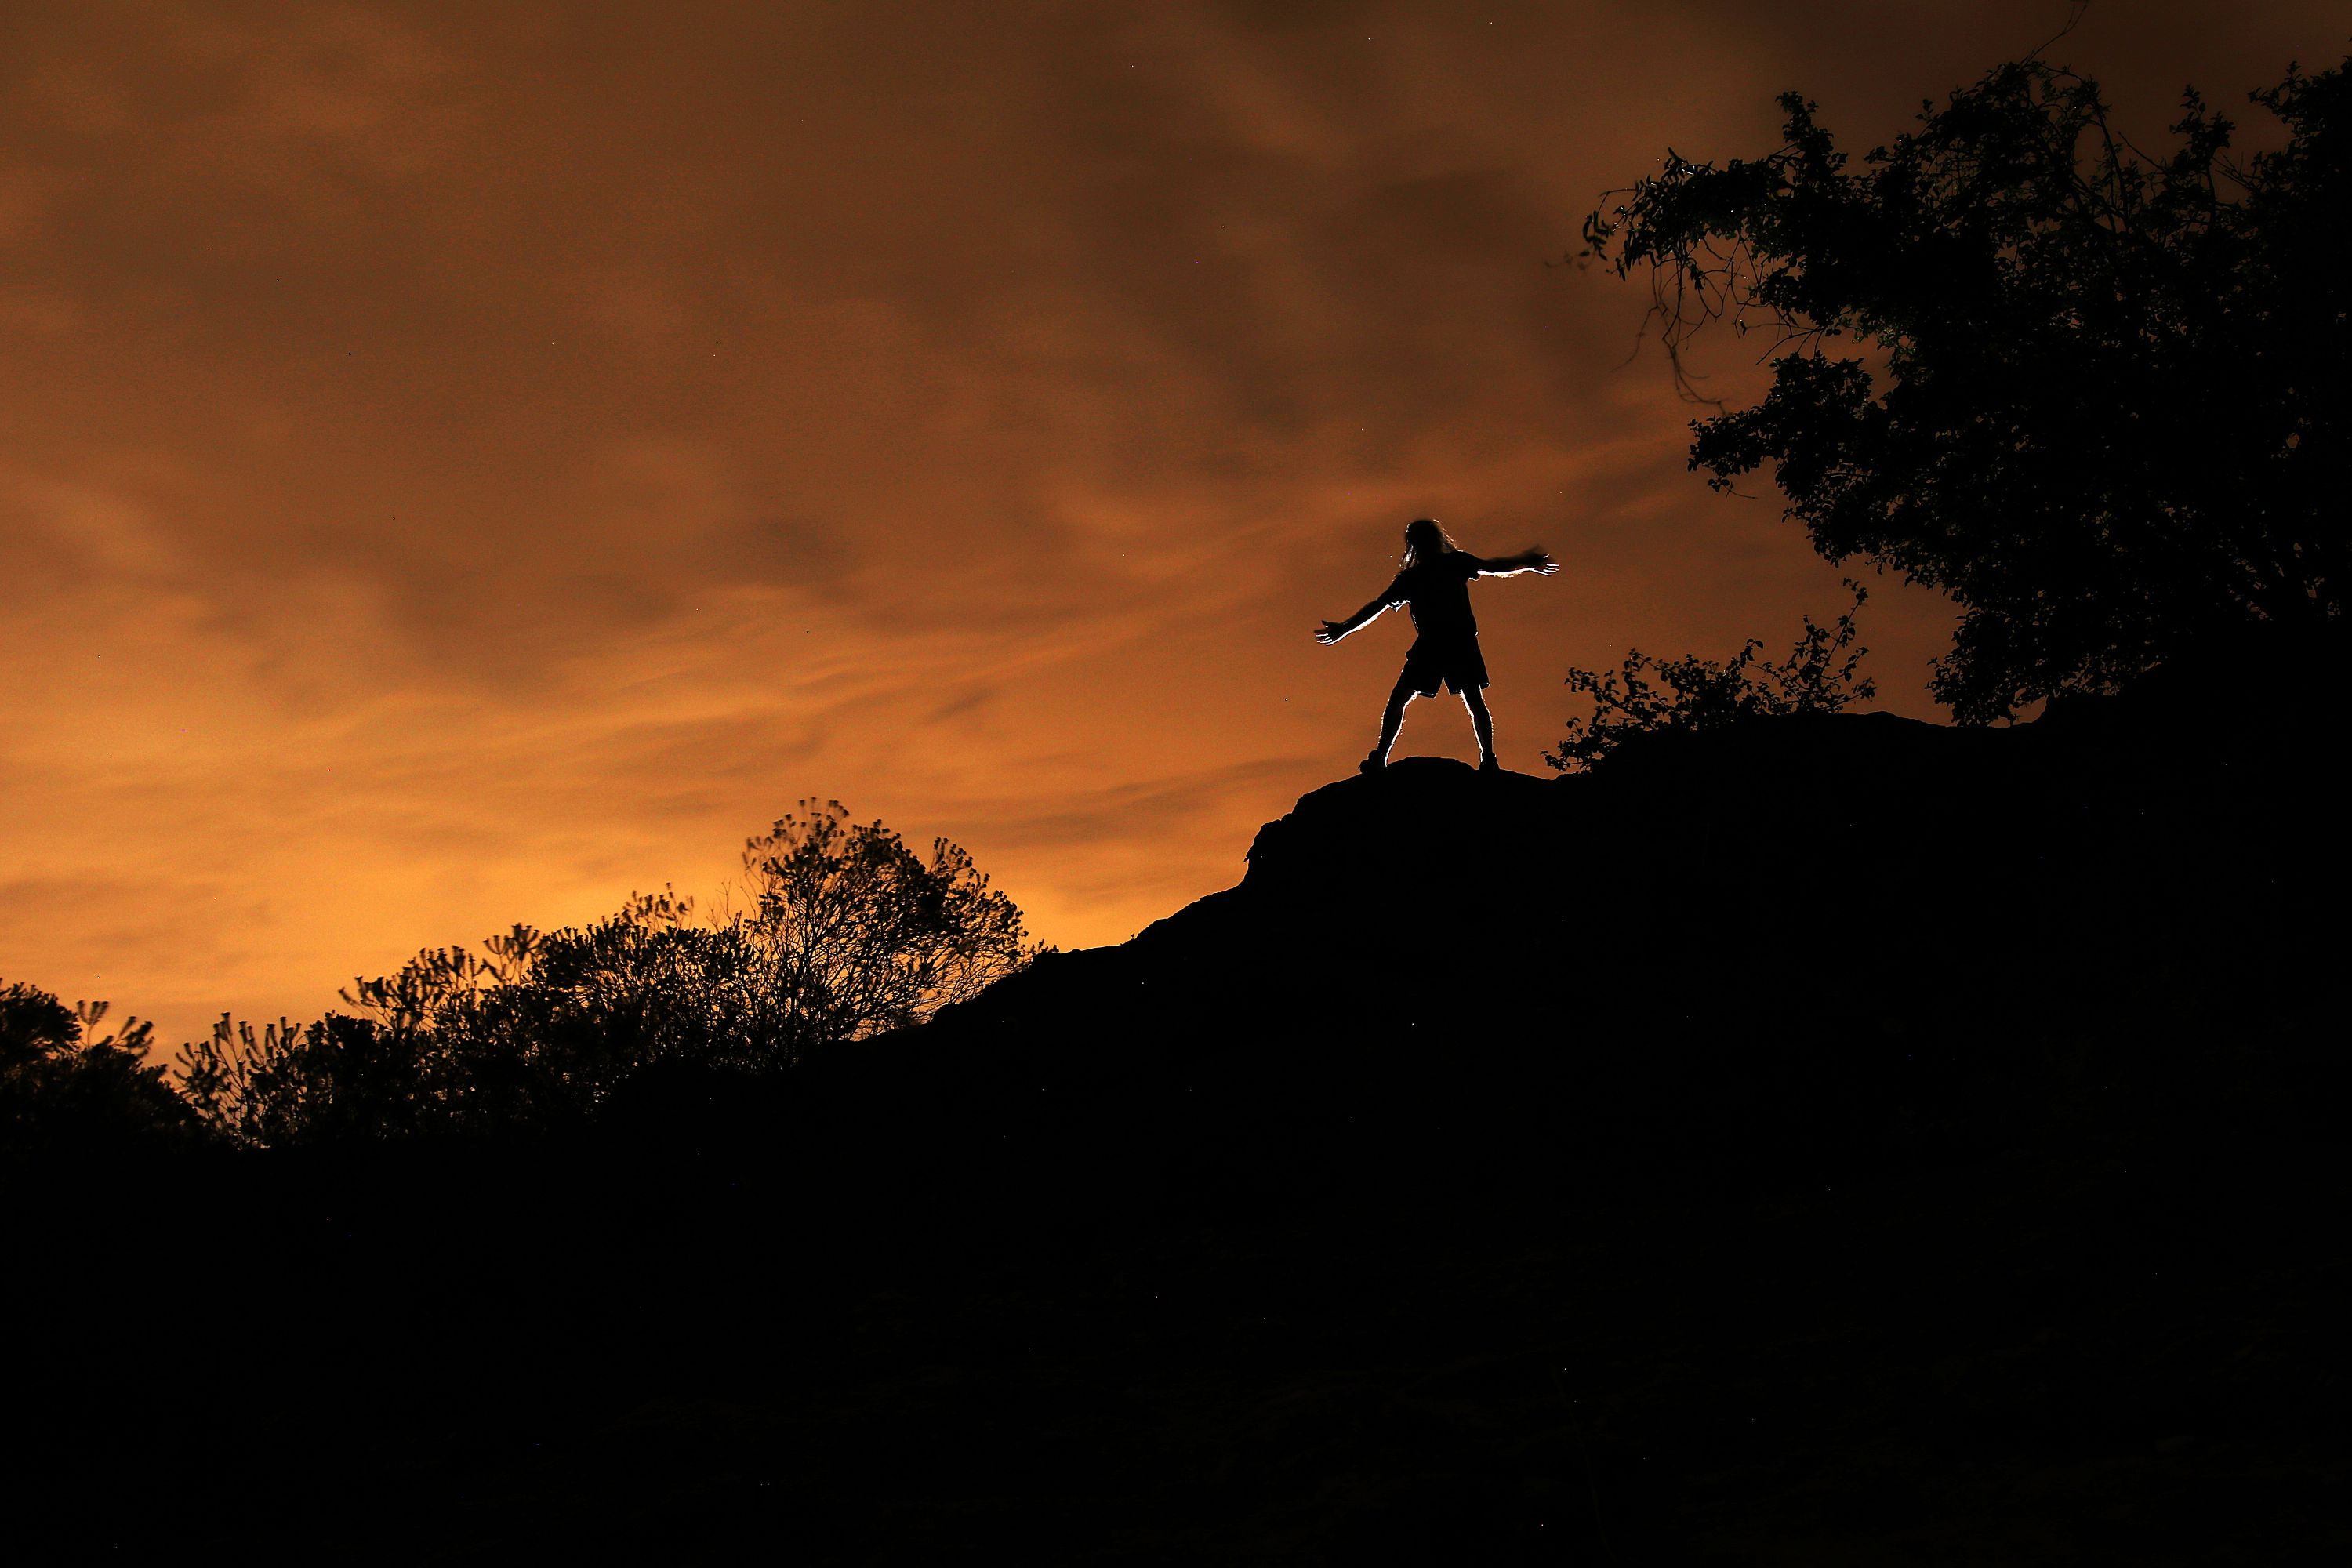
(1459, 664)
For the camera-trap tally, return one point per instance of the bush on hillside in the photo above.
(1820, 676)
(848, 933)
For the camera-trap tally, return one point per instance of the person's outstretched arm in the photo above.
(1331, 632)
(1534, 561)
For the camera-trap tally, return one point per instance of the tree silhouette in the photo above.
(63, 1089)
(848, 933)
(854, 932)
(2096, 395)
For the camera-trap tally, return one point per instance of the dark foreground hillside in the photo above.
(1830, 1140)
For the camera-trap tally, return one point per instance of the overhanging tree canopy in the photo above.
(2095, 394)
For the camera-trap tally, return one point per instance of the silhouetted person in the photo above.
(1434, 583)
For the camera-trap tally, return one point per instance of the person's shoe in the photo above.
(1373, 763)
(1487, 765)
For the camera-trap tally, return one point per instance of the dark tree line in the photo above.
(845, 933)
(2095, 393)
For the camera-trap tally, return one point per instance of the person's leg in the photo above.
(1391, 720)
(1482, 724)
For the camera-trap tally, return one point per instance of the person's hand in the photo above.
(1330, 632)
(1541, 564)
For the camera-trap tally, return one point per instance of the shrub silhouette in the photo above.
(2089, 393)
(848, 933)
(1692, 693)
(61, 1089)
(854, 933)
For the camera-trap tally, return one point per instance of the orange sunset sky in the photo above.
(461, 463)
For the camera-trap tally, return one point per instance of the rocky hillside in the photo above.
(1857, 933)
(1838, 1140)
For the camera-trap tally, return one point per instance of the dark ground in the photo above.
(1824, 1141)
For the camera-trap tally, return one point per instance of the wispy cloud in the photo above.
(458, 465)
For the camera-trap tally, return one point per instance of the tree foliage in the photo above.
(2096, 395)
(1820, 675)
(854, 932)
(847, 933)
(64, 1086)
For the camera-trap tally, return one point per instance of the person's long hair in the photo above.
(1424, 540)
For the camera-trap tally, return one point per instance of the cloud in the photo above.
(459, 464)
